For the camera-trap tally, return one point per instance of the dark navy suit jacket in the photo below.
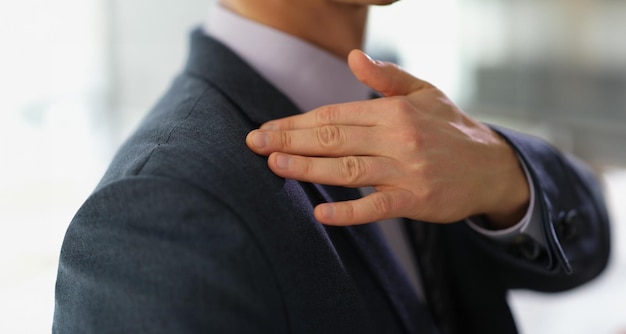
(190, 232)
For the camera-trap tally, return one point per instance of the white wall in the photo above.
(53, 88)
(147, 44)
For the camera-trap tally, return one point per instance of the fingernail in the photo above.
(269, 126)
(283, 161)
(260, 140)
(327, 211)
(371, 60)
(368, 57)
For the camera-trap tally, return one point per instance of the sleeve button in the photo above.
(569, 224)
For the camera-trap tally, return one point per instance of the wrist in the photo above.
(511, 196)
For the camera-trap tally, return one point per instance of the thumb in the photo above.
(387, 78)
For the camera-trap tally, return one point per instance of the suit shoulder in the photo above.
(191, 128)
(161, 251)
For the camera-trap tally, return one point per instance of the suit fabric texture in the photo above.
(190, 232)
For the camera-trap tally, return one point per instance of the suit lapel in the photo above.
(367, 240)
(255, 97)
(426, 239)
(260, 102)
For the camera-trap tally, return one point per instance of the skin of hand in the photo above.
(425, 157)
(366, 2)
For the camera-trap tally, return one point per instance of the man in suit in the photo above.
(190, 231)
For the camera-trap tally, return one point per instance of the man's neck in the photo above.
(306, 74)
(337, 28)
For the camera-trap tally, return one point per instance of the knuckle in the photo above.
(285, 139)
(350, 212)
(410, 138)
(408, 129)
(327, 115)
(352, 169)
(330, 136)
(429, 196)
(414, 170)
(382, 204)
(403, 107)
(308, 167)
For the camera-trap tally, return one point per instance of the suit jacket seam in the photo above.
(173, 129)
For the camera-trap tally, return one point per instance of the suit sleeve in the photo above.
(152, 255)
(574, 221)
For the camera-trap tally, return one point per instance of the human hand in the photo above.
(426, 159)
(366, 2)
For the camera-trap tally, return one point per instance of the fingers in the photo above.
(374, 207)
(348, 171)
(328, 141)
(352, 113)
(387, 78)
(367, 2)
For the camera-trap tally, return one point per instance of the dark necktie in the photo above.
(429, 251)
(376, 260)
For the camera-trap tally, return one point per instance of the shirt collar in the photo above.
(308, 75)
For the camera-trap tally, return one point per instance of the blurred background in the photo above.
(77, 75)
